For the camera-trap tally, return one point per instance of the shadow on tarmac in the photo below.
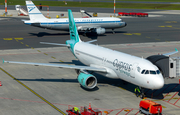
(103, 81)
(91, 35)
(42, 34)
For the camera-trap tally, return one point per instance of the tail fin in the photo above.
(72, 28)
(34, 13)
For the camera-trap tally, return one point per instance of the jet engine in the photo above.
(100, 31)
(88, 81)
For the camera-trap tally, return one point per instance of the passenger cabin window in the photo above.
(147, 72)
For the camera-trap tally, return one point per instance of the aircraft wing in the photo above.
(89, 27)
(60, 66)
(171, 53)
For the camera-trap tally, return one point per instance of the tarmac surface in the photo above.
(46, 90)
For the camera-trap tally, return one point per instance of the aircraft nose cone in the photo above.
(159, 83)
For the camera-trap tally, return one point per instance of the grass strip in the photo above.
(102, 5)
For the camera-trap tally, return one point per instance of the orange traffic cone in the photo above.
(89, 106)
(0, 83)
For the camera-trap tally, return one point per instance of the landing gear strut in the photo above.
(142, 95)
(140, 92)
(113, 31)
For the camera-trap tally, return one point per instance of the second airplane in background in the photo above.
(93, 24)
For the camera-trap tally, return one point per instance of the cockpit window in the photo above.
(152, 72)
(147, 72)
(143, 71)
(157, 71)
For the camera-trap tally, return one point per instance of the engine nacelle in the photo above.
(100, 31)
(88, 81)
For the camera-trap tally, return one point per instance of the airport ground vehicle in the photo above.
(83, 111)
(123, 14)
(142, 14)
(149, 107)
(139, 14)
(132, 13)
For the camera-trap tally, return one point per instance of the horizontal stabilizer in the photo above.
(60, 66)
(91, 41)
(55, 44)
(171, 53)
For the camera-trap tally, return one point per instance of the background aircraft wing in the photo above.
(171, 53)
(89, 27)
(60, 66)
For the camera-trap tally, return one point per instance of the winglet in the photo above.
(3, 60)
(171, 53)
(176, 49)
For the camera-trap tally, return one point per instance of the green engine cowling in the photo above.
(88, 81)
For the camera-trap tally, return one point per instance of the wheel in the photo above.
(140, 111)
(142, 96)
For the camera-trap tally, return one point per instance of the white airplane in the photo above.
(110, 63)
(93, 24)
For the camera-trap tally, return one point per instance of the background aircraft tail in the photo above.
(34, 13)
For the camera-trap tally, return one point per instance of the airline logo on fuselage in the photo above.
(122, 67)
(31, 8)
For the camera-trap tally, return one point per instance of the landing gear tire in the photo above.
(140, 111)
(77, 71)
(142, 96)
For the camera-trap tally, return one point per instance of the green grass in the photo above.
(150, 0)
(102, 4)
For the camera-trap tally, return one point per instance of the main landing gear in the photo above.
(113, 31)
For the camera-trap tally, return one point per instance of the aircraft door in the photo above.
(134, 70)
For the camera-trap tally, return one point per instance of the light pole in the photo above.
(5, 7)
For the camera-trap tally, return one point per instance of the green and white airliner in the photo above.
(110, 63)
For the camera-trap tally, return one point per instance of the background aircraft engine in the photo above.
(100, 31)
(88, 81)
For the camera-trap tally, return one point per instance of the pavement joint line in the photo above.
(165, 99)
(34, 92)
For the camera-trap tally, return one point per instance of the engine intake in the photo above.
(88, 81)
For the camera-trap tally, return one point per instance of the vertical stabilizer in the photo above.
(34, 13)
(72, 28)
